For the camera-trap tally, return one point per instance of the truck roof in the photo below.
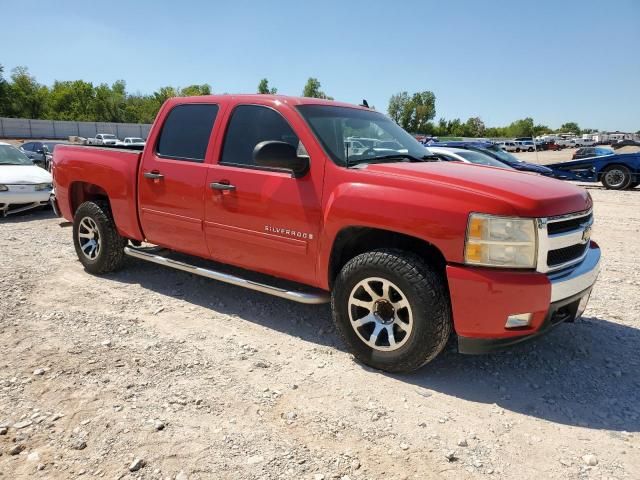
(249, 98)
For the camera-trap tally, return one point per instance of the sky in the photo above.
(555, 61)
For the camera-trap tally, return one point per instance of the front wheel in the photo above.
(392, 310)
(98, 245)
(616, 177)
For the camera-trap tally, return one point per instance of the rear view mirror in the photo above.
(276, 154)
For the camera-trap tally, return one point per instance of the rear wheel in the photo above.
(98, 245)
(392, 310)
(616, 177)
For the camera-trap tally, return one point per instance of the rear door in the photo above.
(172, 179)
(265, 219)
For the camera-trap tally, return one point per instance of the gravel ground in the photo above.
(153, 373)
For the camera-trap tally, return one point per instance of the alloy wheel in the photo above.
(89, 238)
(380, 314)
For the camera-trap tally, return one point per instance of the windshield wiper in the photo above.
(396, 156)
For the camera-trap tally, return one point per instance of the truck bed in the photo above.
(108, 171)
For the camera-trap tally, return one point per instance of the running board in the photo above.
(311, 298)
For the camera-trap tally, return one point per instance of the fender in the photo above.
(428, 213)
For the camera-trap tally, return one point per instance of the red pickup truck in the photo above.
(319, 201)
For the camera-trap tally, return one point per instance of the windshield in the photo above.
(501, 154)
(12, 156)
(481, 159)
(338, 128)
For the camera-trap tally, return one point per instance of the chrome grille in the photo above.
(563, 241)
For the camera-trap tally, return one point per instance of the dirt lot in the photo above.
(188, 378)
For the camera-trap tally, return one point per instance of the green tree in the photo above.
(26, 96)
(71, 101)
(312, 90)
(4, 94)
(397, 105)
(424, 110)
(520, 128)
(474, 127)
(263, 87)
(195, 90)
(569, 127)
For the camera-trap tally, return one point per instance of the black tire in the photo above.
(530, 150)
(421, 286)
(616, 177)
(110, 254)
(633, 185)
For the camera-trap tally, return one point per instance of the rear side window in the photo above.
(250, 125)
(186, 131)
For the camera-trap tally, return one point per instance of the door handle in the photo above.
(155, 175)
(222, 186)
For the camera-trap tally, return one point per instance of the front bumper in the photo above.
(22, 198)
(483, 298)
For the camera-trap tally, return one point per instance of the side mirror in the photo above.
(276, 154)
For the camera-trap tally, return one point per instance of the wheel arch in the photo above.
(80, 192)
(355, 240)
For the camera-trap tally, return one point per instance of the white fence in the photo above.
(25, 128)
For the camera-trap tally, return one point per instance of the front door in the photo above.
(172, 180)
(260, 218)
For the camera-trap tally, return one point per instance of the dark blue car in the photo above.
(616, 172)
(496, 152)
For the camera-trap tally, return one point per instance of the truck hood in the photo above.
(529, 194)
(23, 174)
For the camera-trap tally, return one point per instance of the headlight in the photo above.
(500, 241)
(3, 188)
(43, 186)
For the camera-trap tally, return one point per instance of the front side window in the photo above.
(249, 125)
(28, 147)
(382, 139)
(186, 132)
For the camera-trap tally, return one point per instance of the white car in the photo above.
(524, 146)
(449, 154)
(134, 141)
(103, 139)
(507, 146)
(581, 142)
(22, 185)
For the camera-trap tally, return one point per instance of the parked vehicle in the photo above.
(547, 145)
(588, 152)
(565, 142)
(408, 249)
(507, 146)
(40, 152)
(133, 142)
(103, 139)
(525, 146)
(616, 172)
(496, 152)
(23, 185)
(581, 142)
(354, 147)
(625, 143)
(449, 154)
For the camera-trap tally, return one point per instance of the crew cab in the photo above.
(259, 191)
(103, 139)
